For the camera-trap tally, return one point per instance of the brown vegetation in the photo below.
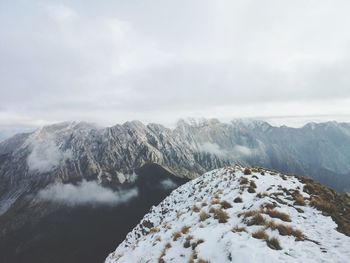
(215, 201)
(203, 216)
(160, 259)
(185, 229)
(221, 215)
(195, 209)
(273, 243)
(176, 235)
(252, 184)
(277, 214)
(257, 220)
(299, 200)
(238, 229)
(330, 203)
(225, 205)
(243, 180)
(322, 204)
(269, 206)
(285, 230)
(260, 234)
(247, 171)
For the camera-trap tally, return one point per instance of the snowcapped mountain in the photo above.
(73, 151)
(238, 214)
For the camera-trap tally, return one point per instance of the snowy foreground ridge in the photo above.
(236, 214)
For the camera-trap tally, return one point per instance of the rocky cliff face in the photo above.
(72, 151)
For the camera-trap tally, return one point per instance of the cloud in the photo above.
(86, 193)
(130, 178)
(168, 184)
(242, 150)
(111, 62)
(45, 155)
(212, 148)
(238, 151)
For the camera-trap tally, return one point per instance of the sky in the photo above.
(108, 62)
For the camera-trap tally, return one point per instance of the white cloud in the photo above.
(60, 13)
(45, 155)
(212, 148)
(238, 151)
(86, 193)
(168, 184)
(242, 150)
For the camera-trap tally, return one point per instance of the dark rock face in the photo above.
(38, 231)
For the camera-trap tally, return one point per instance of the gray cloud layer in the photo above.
(86, 193)
(45, 155)
(114, 61)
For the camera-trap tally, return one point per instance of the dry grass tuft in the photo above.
(238, 229)
(225, 205)
(299, 200)
(189, 237)
(260, 234)
(176, 235)
(252, 184)
(243, 180)
(195, 209)
(193, 257)
(185, 229)
(273, 243)
(196, 243)
(154, 230)
(286, 230)
(248, 213)
(322, 204)
(277, 214)
(215, 201)
(160, 259)
(269, 206)
(203, 216)
(257, 220)
(247, 171)
(221, 215)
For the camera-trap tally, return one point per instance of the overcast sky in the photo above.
(157, 61)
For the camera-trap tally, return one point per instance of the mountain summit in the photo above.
(239, 214)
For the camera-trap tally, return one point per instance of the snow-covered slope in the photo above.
(236, 214)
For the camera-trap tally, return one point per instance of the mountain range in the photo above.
(64, 173)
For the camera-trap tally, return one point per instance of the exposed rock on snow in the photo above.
(242, 215)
